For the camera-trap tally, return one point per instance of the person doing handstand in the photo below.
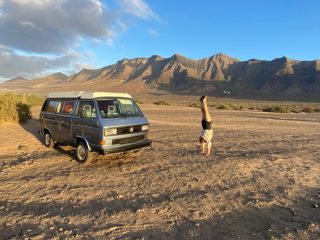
(206, 132)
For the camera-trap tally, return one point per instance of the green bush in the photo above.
(223, 107)
(13, 108)
(24, 112)
(308, 110)
(164, 103)
(196, 105)
(277, 109)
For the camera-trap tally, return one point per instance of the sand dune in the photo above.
(261, 182)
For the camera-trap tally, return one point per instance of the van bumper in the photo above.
(125, 148)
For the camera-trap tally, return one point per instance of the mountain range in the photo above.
(218, 75)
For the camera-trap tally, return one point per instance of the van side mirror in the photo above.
(83, 113)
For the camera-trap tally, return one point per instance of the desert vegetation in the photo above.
(163, 103)
(276, 107)
(16, 108)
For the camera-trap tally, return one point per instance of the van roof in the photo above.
(86, 95)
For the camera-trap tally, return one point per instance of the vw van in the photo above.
(102, 122)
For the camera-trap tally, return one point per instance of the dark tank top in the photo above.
(206, 125)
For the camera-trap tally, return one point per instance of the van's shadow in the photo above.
(32, 126)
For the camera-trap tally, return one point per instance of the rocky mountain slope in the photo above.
(281, 78)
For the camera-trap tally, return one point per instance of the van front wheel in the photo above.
(83, 153)
(48, 141)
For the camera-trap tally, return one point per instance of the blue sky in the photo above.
(41, 37)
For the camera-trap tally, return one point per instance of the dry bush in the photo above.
(277, 109)
(164, 103)
(223, 107)
(13, 109)
(139, 101)
(195, 104)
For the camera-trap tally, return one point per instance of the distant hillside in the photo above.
(281, 78)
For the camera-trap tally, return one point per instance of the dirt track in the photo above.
(261, 181)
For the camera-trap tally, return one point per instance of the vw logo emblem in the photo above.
(131, 129)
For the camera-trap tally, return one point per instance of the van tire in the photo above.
(82, 153)
(48, 141)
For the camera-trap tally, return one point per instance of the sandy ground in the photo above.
(261, 182)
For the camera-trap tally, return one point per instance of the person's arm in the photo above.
(209, 148)
(203, 148)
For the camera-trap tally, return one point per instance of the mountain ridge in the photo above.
(281, 78)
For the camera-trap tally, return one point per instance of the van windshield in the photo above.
(118, 107)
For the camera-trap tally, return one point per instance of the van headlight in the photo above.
(144, 127)
(110, 131)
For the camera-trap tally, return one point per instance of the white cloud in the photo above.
(53, 25)
(138, 8)
(12, 64)
(37, 36)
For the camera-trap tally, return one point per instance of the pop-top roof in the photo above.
(87, 95)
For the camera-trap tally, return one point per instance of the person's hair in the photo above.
(201, 140)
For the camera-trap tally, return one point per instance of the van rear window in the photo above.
(52, 106)
(66, 107)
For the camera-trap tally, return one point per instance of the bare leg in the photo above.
(205, 112)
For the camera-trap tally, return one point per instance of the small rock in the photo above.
(51, 228)
(315, 205)
(23, 147)
(61, 229)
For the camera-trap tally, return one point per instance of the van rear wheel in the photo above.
(83, 153)
(48, 141)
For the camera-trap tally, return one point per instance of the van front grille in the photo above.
(127, 140)
(126, 130)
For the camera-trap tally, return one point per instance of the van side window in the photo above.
(66, 107)
(87, 106)
(51, 106)
(44, 105)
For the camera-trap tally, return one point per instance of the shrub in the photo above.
(307, 110)
(164, 103)
(196, 105)
(139, 102)
(235, 107)
(223, 107)
(24, 113)
(8, 110)
(276, 109)
(13, 109)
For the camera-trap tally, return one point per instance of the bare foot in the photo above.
(203, 98)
